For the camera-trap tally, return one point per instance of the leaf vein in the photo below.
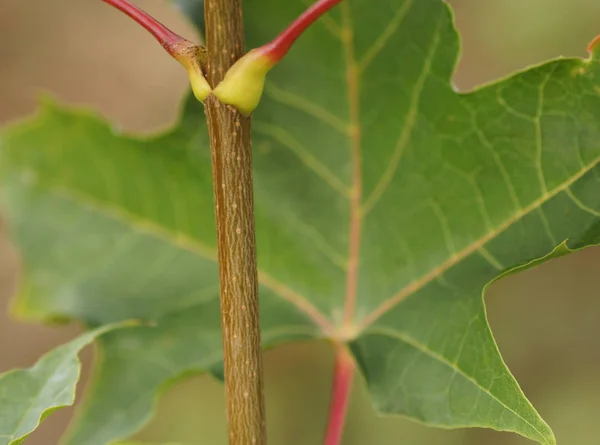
(580, 204)
(503, 171)
(443, 220)
(546, 225)
(407, 128)
(403, 337)
(318, 240)
(538, 133)
(385, 36)
(308, 107)
(304, 155)
(190, 244)
(425, 279)
(487, 255)
(355, 224)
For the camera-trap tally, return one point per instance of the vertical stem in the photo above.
(230, 144)
(340, 396)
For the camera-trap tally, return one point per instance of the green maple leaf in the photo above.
(385, 204)
(29, 395)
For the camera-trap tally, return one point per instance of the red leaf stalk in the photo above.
(278, 47)
(191, 56)
(243, 84)
(593, 46)
(340, 396)
(167, 38)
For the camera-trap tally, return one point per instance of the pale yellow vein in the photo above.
(427, 278)
(405, 338)
(307, 158)
(580, 204)
(502, 102)
(481, 203)
(307, 106)
(538, 134)
(546, 225)
(355, 223)
(190, 244)
(385, 36)
(486, 254)
(503, 171)
(443, 220)
(318, 240)
(407, 128)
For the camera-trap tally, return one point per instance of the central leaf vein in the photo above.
(352, 79)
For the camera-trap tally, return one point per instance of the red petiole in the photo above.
(191, 56)
(243, 84)
(340, 396)
(280, 45)
(167, 38)
(594, 43)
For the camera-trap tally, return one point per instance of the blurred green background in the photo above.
(546, 321)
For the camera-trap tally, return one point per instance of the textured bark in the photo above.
(231, 149)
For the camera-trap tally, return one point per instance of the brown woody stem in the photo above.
(230, 145)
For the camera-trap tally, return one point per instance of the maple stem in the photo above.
(340, 396)
(167, 38)
(231, 152)
(280, 45)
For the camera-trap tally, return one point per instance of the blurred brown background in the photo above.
(546, 321)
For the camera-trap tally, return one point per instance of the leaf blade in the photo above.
(457, 190)
(27, 396)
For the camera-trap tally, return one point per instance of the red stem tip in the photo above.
(278, 47)
(167, 38)
(593, 44)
